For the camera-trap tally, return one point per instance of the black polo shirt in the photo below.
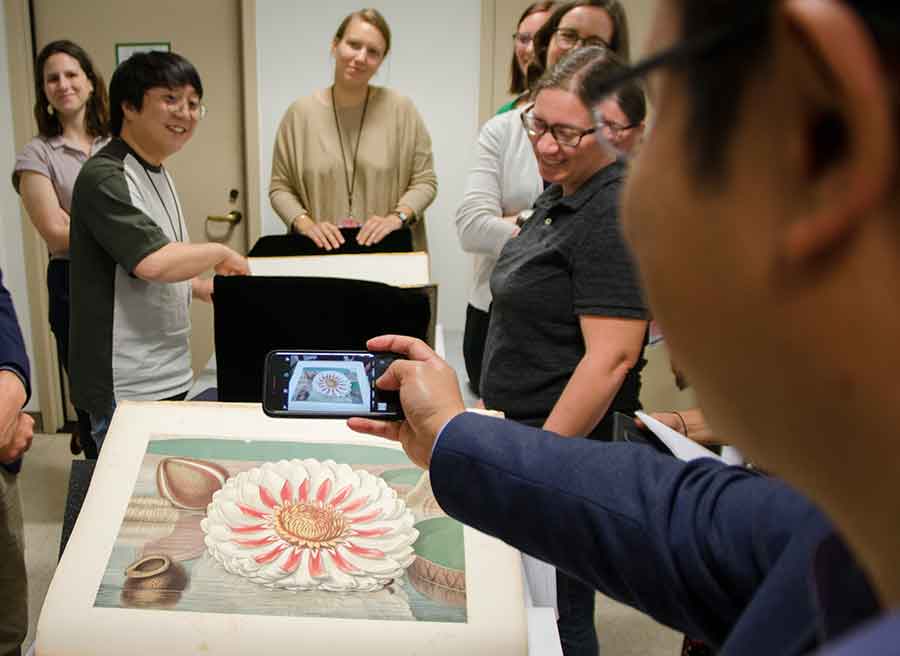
(569, 260)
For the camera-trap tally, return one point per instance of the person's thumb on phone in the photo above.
(429, 393)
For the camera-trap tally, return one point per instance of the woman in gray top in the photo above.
(72, 114)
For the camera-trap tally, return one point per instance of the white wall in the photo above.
(434, 59)
(11, 258)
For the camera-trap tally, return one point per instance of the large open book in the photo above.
(211, 528)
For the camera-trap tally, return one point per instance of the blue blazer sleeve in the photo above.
(12, 346)
(690, 544)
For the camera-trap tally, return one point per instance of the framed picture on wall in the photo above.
(125, 50)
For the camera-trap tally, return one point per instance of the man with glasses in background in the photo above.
(771, 259)
(133, 269)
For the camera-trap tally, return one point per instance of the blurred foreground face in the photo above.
(700, 245)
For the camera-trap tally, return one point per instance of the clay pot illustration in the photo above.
(153, 582)
(188, 483)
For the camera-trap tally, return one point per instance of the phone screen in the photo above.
(328, 384)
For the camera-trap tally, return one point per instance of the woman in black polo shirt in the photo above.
(568, 320)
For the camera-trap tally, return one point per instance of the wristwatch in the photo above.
(408, 220)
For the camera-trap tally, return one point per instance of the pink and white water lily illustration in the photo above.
(331, 383)
(310, 525)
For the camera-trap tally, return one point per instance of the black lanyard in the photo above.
(350, 182)
(177, 233)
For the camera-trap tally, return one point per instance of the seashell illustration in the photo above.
(310, 525)
(331, 383)
(154, 581)
(189, 483)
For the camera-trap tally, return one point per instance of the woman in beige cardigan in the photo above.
(353, 154)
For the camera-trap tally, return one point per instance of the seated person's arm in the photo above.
(612, 347)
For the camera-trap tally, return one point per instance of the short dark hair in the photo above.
(621, 43)
(717, 84)
(143, 71)
(96, 115)
(573, 70)
(517, 81)
(374, 18)
(633, 102)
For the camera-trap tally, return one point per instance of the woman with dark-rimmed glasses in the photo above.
(504, 182)
(568, 321)
(531, 20)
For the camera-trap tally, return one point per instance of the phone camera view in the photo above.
(331, 384)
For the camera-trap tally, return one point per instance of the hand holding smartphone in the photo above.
(328, 384)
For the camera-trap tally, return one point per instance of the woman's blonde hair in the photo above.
(374, 18)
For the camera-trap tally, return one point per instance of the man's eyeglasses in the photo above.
(568, 39)
(523, 39)
(565, 135)
(615, 129)
(175, 103)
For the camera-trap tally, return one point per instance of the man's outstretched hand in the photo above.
(429, 394)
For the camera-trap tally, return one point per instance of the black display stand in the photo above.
(399, 241)
(258, 314)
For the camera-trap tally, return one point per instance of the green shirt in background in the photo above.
(508, 107)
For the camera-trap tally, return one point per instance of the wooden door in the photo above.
(209, 172)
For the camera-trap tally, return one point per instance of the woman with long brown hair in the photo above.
(72, 114)
(531, 20)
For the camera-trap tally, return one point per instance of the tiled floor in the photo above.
(44, 481)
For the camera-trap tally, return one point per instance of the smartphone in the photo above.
(626, 430)
(328, 384)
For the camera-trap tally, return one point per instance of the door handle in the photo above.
(234, 217)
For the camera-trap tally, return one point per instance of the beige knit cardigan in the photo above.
(395, 165)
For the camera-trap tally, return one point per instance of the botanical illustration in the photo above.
(321, 384)
(285, 528)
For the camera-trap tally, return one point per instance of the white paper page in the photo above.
(683, 448)
(543, 636)
(541, 582)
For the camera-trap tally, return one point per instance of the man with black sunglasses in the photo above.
(764, 213)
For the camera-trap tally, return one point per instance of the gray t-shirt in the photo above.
(569, 260)
(129, 337)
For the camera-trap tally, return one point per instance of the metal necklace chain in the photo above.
(178, 232)
(350, 182)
